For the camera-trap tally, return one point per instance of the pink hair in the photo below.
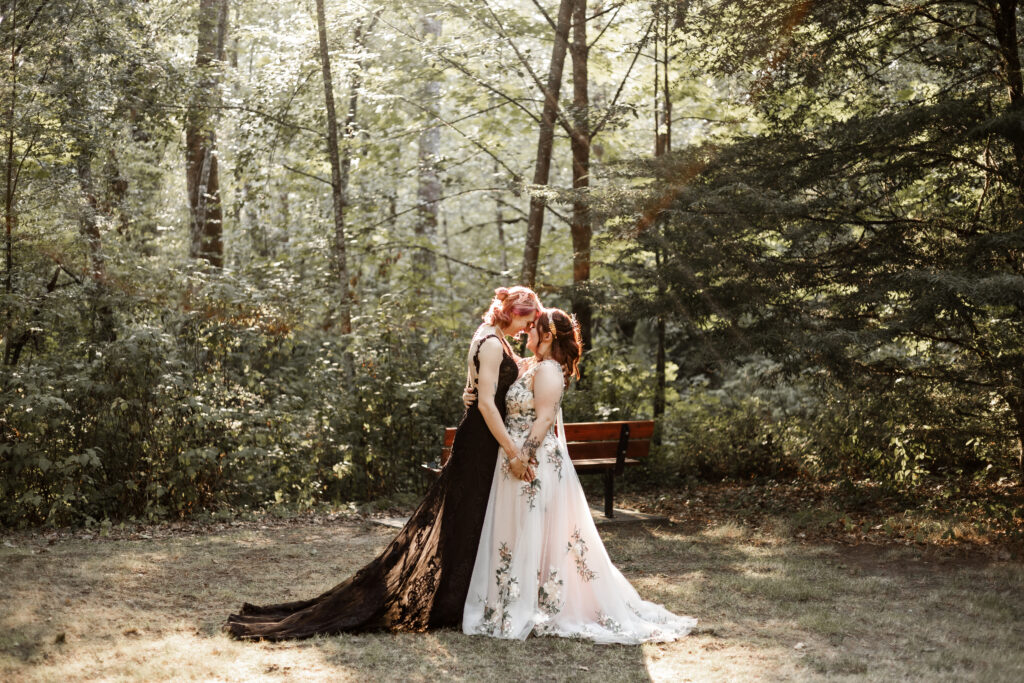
(510, 302)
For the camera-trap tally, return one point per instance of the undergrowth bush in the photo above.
(231, 402)
(204, 409)
(754, 421)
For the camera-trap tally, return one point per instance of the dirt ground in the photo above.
(147, 604)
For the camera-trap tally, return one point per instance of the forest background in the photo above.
(245, 244)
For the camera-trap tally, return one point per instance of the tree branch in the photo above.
(559, 114)
(308, 175)
(476, 143)
(409, 245)
(618, 92)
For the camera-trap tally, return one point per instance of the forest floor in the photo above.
(795, 596)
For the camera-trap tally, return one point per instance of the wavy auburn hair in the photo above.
(510, 302)
(567, 345)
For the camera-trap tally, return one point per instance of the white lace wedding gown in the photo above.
(541, 567)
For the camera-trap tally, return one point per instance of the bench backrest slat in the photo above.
(591, 440)
(608, 449)
(608, 431)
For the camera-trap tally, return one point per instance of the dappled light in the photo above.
(152, 609)
(245, 254)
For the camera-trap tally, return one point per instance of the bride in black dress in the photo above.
(421, 579)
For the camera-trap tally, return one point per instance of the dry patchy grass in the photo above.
(770, 607)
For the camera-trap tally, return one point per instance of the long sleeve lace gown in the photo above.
(420, 580)
(540, 566)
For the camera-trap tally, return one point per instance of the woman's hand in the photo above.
(521, 470)
(469, 396)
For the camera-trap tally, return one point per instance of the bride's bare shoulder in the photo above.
(550, 368)
(485, 341)
(484, 330)
(484, 333)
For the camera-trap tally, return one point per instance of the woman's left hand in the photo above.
(521, 470)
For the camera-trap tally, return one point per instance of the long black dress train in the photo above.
(421, 579)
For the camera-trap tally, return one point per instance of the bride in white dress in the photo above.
(541, 567)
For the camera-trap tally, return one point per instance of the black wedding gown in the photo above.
(421, 579)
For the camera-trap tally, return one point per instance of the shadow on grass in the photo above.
(768, 608)
(149, 610)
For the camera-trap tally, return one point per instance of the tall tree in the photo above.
(13, 48)
(206, 222)
(88, 222)
(545, 142)
(872, 228)
(662, 146)
(428, 191)
(339, 175)
(29, 30)
(580, 137)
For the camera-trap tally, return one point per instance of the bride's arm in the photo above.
(547, 393)
(490, 356)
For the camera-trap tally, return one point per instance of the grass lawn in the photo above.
(148, 605)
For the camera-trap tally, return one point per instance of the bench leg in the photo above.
(609, 493)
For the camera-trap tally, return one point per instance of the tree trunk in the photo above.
(658, 149)
(203, 178)
(339, 184)
(88, 225)
(1017, 408)
(428, 193)
(115, 194)
(1004, 22)
(666, 121)
(545, 142)
(9, 216)
(659, 371)
(499, 219)
(662, 145)
(16, 346)
(283, 234)
(252, 222)
(580, 227)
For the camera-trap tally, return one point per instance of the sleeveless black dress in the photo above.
(421, 579)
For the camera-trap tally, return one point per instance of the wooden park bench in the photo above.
(594, 447)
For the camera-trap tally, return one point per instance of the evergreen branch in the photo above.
(877, 369)
(62, 267)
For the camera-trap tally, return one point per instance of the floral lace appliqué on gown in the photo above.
(541, 567)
